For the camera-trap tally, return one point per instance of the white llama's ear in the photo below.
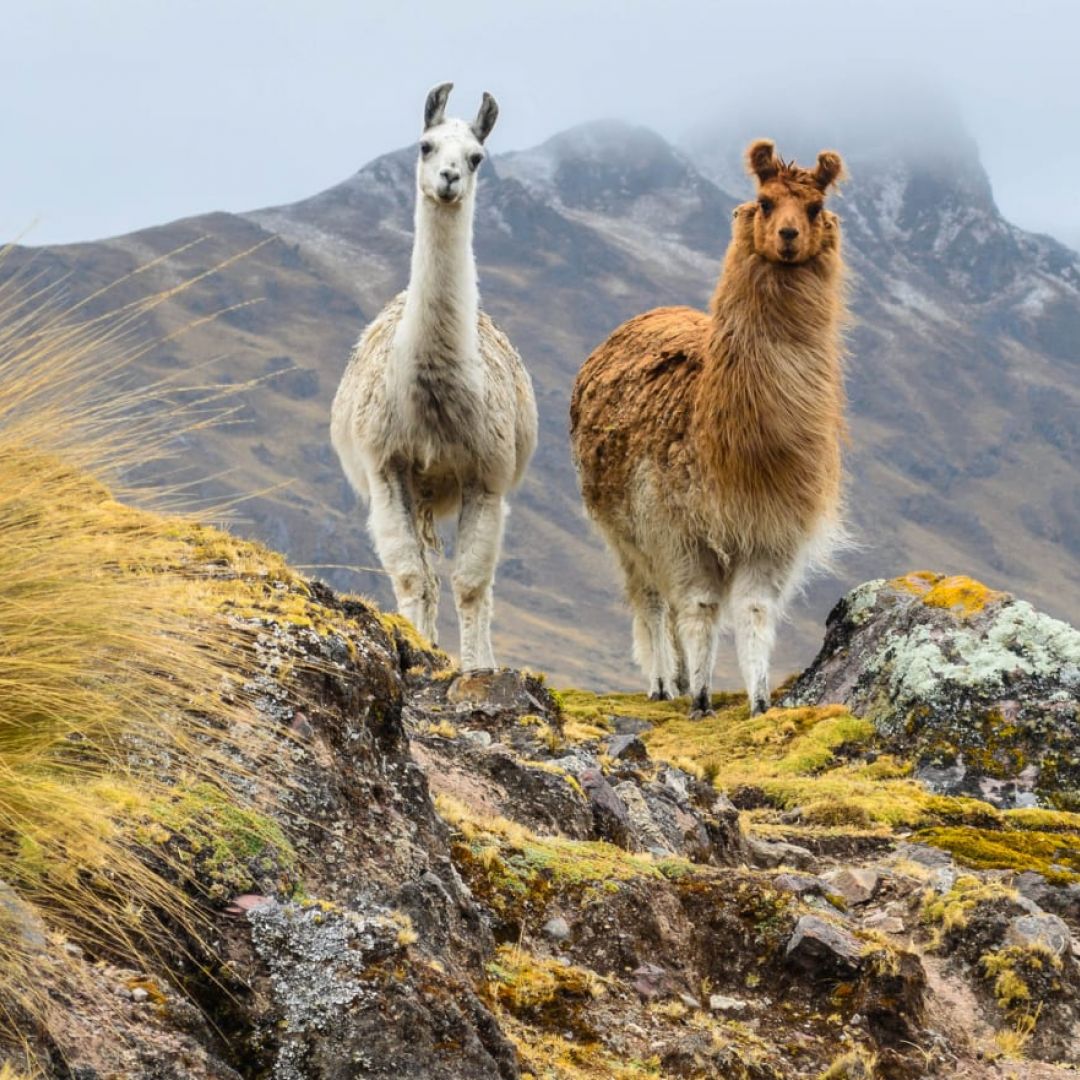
(486, 117)
(435, 106)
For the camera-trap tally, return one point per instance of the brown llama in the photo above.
(708, 445)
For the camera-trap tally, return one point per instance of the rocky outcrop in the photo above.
(977, 688)
(475, 877)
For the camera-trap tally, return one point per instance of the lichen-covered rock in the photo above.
(978, 688)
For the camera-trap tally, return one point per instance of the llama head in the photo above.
(790, 224)
(451, 150)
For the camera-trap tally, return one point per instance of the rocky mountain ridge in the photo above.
(963, 377)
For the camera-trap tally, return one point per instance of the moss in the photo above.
(527, 984)
(952, 910)
(854, 1065)
(399, 629)
(222, 846)
(1021, 976)
(1013, 849)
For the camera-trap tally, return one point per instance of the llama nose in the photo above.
(449, 176)
(789, 233)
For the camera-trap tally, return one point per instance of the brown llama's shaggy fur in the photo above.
(708, 445)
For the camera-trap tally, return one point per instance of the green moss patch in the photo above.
(223, 847)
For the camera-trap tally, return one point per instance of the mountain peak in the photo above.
(601, 165)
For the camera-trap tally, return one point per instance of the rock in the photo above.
(478, 737)
(239, 906)
(723, 1003)
(301, 727)
(799, 884)
(690, 1001)
(611, 821)
(818, 946)
(773, 853)
(630, 725)
(1040, 931)
(652, 981)
(21, 924)
(887, 924)
(557, 929)
(138, 995)
(627, 747)
(977, 688)
(923, 854)
(854, 885)
(505, 689)
(1062, 900)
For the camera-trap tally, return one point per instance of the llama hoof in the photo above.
(761, 705)
(701, 705)
(700, 714)
(660, 693)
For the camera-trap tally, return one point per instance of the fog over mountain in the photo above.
(122, 114)
(964, 379)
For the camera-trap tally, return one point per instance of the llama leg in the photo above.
(697, 620)
(401, 551)
(681, 676)
(755, 608)
(480, 528)
(652, 641)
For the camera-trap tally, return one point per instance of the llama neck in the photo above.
(438, 328)
(773, 379)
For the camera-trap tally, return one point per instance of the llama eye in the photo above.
(813, 210)
(474, 160)
(766, 205)
(426, 148)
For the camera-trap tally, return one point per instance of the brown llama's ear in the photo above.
(830, 169)
(761, 160)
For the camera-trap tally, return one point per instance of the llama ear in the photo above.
(830, 169)
(435, 106)
(486, 117)
(761, 160)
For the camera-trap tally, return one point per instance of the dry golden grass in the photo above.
(108, 666)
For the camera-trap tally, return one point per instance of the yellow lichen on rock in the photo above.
(962, 595)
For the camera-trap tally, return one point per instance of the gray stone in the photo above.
(139, 995)
(630, 725)
(933, 660)
(610, 819)
(887, 924)
(1040, 931)
(854, 885)
(773, 853)
(478, 737)
(557, 929)
(818, 945)
(723, 1003)
(923, 854)
(799, 884)
(627, 747)
(21, 920)
(1060, 899)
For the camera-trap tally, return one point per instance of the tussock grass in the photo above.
(114, 658)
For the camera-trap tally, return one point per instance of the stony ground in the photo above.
(434, 875)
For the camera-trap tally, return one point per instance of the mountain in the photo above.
(964, 375)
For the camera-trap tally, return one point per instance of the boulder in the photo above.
(978, 688)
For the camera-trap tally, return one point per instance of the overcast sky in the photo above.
(118, 114)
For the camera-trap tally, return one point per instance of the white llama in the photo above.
(435, 412)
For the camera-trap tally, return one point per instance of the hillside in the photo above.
(964, 374)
